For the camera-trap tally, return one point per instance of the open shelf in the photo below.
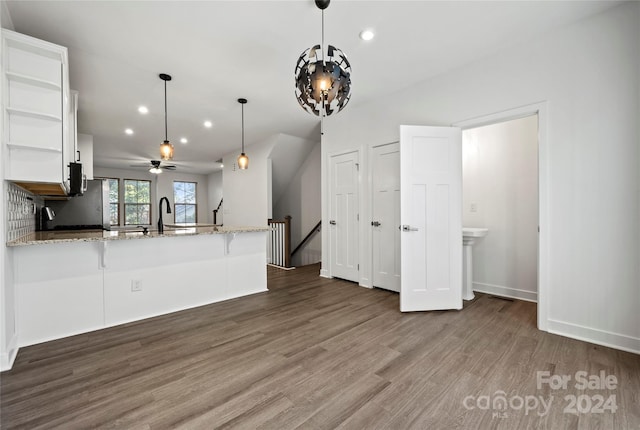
(34, 114)
(32, 147)
(26, 79)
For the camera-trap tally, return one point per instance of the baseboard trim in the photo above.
(592, 335)
(7, 358)
(325, 273)
(499, 290)
(180, 309)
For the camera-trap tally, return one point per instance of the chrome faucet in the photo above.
(160, 224)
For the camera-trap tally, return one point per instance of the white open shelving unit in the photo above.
(35, 104)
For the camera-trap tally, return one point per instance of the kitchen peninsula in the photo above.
(69, 283)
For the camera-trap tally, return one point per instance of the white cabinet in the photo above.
(79, 146)
(71, 145)
(63, 289)
(85, 154)
(58, 290)
(35, 99)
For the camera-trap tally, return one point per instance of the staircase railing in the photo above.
(279, 249)
(313, 231)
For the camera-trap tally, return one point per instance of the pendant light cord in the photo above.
(322, 40)
(165, 111)
(243, 128)
(324, 94)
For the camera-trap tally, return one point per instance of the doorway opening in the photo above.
(500, 190)
(445, 173)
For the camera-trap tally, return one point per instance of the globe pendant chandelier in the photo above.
(323, 77)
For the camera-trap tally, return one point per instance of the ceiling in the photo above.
(218, 51)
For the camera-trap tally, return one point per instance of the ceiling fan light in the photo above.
(155, 170)
(166, 150)
(243, 161)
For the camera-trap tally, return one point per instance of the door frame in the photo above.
(326, 271)
(540, 109)
(371, 193)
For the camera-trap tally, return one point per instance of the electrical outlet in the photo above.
(473, 207)
(136, 285)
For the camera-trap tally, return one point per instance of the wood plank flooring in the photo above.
(314, 353)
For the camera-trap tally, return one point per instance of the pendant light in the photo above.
(166, 148)
(243, 160)
(323, 78)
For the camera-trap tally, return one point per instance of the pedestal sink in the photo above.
(469, 237)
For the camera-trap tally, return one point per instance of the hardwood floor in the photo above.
(318, 354)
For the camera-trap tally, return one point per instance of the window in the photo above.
(137, 202)
(114, 201)
(184, 202)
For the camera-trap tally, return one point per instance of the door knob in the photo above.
(408, 228)
(332, 222)
(375, 223)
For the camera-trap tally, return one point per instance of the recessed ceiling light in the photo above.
(128, 131)
(183, 140)
(208, 124)
(143, 109)
(366, 35)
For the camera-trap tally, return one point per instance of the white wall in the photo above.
(301, 200)
(500, 192)
(162, 186)
(587, 75)
(5, 17)
(214, 183)
(246, 192)
(287, 155)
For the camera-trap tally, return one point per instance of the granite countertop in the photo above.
(42, 237)
(189, 224)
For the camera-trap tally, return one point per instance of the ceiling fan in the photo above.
(156, 166)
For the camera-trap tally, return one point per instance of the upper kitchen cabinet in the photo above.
(85, 154)
(71, 149)
(35, 101)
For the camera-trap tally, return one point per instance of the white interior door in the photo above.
(385, 162)
(344, 211)
(431, 218)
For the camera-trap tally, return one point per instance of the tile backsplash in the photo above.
(22, 207)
